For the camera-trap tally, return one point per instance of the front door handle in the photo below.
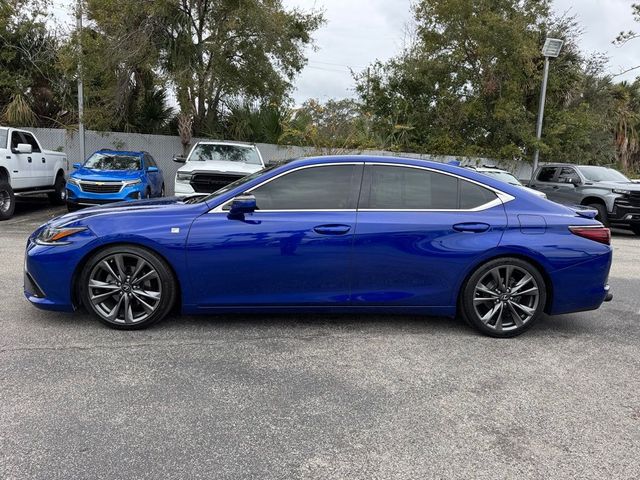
(29, 159)
(44, 160)
(332, 229)
(471, 227)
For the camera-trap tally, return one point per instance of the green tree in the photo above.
(211, 52)
(469, 85)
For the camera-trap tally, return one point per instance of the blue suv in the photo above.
(114, 176)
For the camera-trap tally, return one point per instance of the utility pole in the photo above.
(80, 85)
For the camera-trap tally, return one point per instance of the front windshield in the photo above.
(503, 176)
(603, 174)
(112, 161)
(226, 153)
(232, 185)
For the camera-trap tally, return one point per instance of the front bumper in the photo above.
(76, 196)
(625, 210)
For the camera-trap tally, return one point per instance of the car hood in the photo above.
(220, 166)
(123, 208)
(106, 175)
(631, 186)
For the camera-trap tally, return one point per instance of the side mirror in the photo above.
(152, 169)
(24, 148)
(179, 159)
(243, 204)
(77, 166)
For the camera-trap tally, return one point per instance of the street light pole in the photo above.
(551, 48)
(543, 98)
(80, 85)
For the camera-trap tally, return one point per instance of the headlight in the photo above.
(621, 191)
(183, 177)
(130, 183)
(54, 236)
(73, 181)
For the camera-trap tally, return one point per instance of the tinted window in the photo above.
(568, 175)
(316, 188)
(472, 195)
(16, 138)
(546, 174)
(150, 162)
(31, 140)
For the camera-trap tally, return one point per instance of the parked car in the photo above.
(212, 165)
(28, 169)
(609, 192)
(114, 176)
(329, 234)
(505, 176)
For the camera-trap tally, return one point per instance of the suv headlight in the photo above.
(183, 177)
(54, 236)
(73, 181)
(130, 183)
(621, 191)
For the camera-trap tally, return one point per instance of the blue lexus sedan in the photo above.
(114, 176)
(339, 234)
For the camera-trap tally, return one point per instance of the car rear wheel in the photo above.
(127, 287)
(59, 195)
(7, 201)
(504, 297)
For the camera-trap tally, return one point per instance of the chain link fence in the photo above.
(164, 147)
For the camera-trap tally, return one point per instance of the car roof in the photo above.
(222, 142)
(121, 152)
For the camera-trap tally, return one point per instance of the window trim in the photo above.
(501, 200)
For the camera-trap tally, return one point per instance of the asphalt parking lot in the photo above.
(316, 396)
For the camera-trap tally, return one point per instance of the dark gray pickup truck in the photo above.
(614, 196)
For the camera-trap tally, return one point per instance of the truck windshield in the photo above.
(110, 161)
(226, 153)
(603, 174)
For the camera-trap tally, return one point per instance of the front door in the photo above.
(417, 232)
(294, 250)
(20, 164)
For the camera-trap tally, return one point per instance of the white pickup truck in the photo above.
(27, 169)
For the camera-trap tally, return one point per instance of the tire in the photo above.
(147, 194)
(60, 195)
(72, 208)
(7, 201)
(635, 229)
(106, 289)
(162, 191)
(602, 213)
(495, 310)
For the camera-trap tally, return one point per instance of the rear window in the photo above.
(546, 174)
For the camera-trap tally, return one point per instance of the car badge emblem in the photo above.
(175, 230)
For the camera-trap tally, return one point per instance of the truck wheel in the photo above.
(7, 201)
(602, 213)
(635, 229)
(59, 196)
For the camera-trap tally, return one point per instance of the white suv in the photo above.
(213, 165)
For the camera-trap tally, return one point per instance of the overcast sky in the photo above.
(358, 32)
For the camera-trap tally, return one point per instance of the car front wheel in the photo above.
(504, 297)
(127, 287)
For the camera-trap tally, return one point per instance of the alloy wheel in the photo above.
(124, 288)
(506, 298)
(5, 201)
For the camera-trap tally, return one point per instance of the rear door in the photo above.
(417, 231)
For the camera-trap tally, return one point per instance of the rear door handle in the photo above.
(471, 227)
(332, 229)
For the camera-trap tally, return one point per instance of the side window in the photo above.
(331, 187)
(473, 195)
(546, 174)
(31, 140)
(16, 138)
(151, 162)
(568, 175)
(405, 188)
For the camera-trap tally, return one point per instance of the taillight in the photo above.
(597, 234)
